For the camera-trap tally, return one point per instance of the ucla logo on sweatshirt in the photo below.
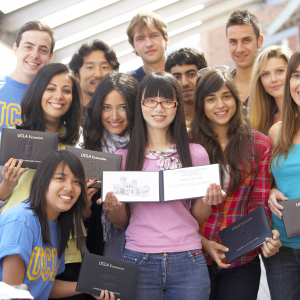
(43, 263)
(10, 114)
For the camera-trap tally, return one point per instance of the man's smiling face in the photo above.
(94, 67)
(33, 52)
(243, 44)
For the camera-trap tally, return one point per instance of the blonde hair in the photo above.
(262, 105)
(146, 19)
(290, 116)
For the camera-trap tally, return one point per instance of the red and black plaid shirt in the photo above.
(253, 192)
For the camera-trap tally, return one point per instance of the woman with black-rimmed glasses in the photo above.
(162, 238)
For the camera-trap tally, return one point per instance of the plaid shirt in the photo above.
(253, 192)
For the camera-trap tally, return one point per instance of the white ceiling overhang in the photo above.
(289, 16)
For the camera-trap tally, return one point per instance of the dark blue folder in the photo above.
(246, 234)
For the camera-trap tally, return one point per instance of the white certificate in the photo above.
(161, 186)
(132, 186)
(189, 183)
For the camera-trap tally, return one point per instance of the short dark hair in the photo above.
(93, 129)
(186, 56)
(36, 25)
(244, 17)
(69, 221)
(31, 109)
(77, 59)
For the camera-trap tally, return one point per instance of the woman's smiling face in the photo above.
(158, 117)
(63, 192)
(57, 97)
(113, 113)
(273, 76)
(219, 107)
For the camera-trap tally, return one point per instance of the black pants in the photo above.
(94, 239)
(237, 283)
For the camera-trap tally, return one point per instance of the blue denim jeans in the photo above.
(239, 283)
(170, 276)
(283, 274)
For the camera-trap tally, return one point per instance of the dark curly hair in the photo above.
(186, 56)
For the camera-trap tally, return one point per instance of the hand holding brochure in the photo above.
(246, 234)
(161, 186)
(291, 216)
(95, 162)
(99, 273)
(31, 146)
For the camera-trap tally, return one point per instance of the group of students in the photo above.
(190, 115)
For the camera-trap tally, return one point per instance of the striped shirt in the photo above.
(253, 192)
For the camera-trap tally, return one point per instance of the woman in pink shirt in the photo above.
(162, 238)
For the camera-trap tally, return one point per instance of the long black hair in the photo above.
(240, 140)
(39, 187)
(32, 112)
(166, 86)
(93, 128)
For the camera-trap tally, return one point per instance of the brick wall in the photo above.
(294, 43)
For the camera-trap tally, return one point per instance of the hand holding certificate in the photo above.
(164, 186)
(111, 202)
(214, 195)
